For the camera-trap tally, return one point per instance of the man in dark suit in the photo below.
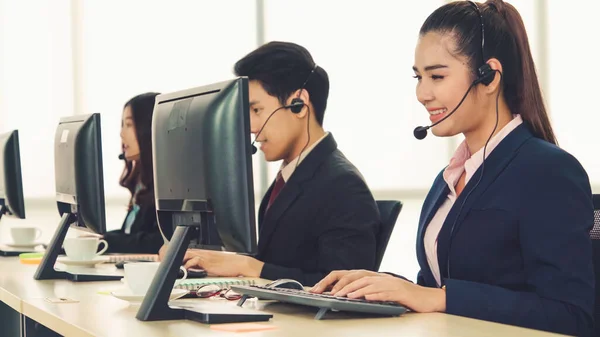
(319, 214)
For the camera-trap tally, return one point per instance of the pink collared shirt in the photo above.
(462, 161)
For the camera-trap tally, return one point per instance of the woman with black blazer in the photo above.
(139, 232)
(504, 231)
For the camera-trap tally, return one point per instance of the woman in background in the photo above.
(140, 232)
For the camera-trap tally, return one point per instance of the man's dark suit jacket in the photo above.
(325, 218)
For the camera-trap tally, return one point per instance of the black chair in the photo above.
(595, 236)
(389, 210)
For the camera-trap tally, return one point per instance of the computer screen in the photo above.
(78, 171)
(79, 192)
(203, 165)
(11, 185)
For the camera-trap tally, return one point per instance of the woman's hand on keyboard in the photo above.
(336, 280)
(389, 288)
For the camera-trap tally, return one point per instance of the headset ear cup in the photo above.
(296, 106)
(485, 74)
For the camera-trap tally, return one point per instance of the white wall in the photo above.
(134, 46)
(35, 83)
(573, 79)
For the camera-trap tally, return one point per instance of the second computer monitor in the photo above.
(203, 164)
(11, 185)
(79, 190)
(78, 171)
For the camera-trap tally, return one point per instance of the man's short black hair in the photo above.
(281, 68)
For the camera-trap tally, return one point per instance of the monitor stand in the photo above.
(155, 306)
(46, 269)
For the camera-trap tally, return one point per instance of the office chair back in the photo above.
(388, 210)
(595, 236)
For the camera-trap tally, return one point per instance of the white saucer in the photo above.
(23, 245)
(126, 295)
(96, 260)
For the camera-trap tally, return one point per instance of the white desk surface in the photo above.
(99, 314)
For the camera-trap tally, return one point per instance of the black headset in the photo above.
(297, 103)
(295, 107)
(485, 75)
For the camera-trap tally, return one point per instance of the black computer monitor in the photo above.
(203, 183)
(11, 185)
(203, 164)
(78, 171)
(79, 187)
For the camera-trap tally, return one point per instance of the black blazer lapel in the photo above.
(285, 199)
(292, 190)
(138, 221)
(494, 165)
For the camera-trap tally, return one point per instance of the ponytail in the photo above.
(525, 96)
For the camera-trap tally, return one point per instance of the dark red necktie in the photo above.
(279, 183)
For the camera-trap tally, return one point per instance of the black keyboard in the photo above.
(323, 301)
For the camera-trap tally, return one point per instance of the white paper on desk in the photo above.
(61, 300)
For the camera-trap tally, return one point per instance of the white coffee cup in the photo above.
(25, 235)
(83, 249)
(139, 275)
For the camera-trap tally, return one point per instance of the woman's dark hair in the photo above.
(505, 39)
(142, 107)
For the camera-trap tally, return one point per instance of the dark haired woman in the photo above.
(504, 231)
(140, 232)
